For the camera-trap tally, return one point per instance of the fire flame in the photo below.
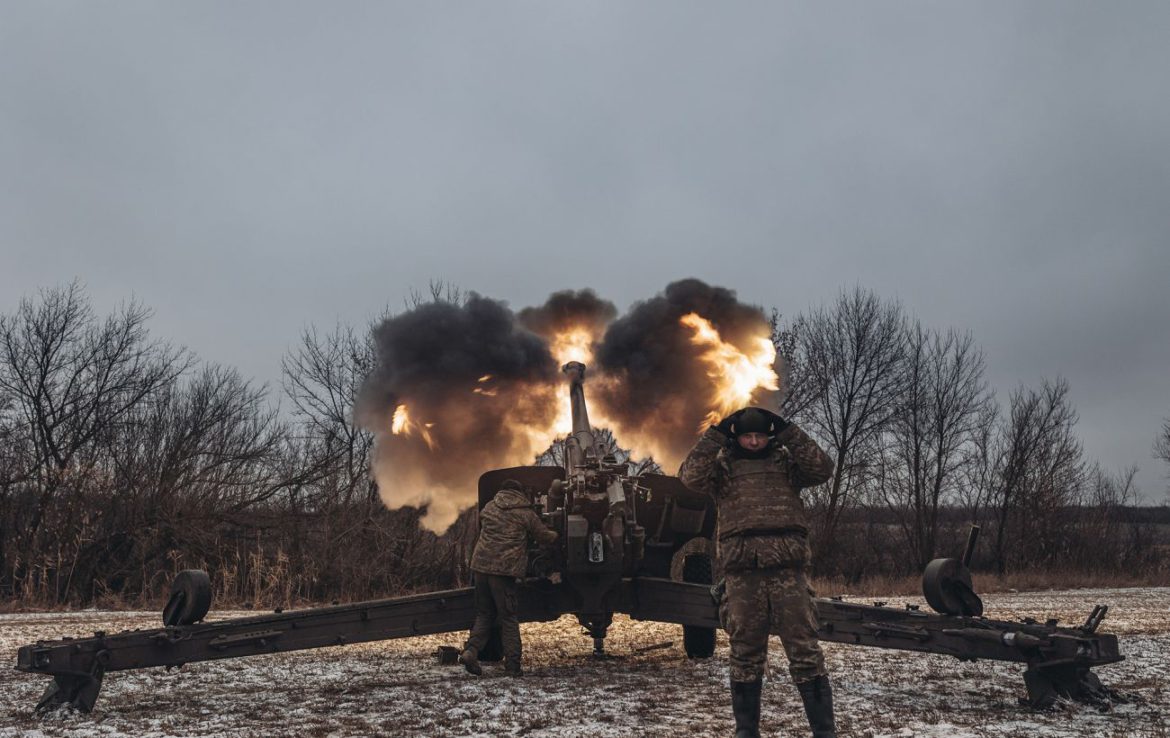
(485, 391)
(528, 438)
(527, 415)
(737, 375)
(575, 344)
(398, 424)
(402, 425)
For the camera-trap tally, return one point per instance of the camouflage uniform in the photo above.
(763, 546)
(499, 559)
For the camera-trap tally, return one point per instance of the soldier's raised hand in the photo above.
(725, 425)
(778, 423)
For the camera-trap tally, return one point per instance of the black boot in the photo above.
(470, 661)
(745, 704)
(818, 706)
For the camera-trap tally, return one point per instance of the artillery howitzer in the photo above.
(634, 544)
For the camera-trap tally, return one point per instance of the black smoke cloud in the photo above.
(438, 344)
(656, 388)
(568, 310)
(475, 382)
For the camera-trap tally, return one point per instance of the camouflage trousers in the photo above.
(759, 602)
(496, 600)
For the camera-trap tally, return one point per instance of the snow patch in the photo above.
(396, 688)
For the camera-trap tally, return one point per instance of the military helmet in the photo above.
(754, 420)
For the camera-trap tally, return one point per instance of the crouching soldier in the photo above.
(500, 558)
(754, 464)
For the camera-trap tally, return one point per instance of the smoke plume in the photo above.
(460, 389)
(663, 381)
(457, 390)
(570, 313)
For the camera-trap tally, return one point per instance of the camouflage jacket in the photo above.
(505, 525)
(762, 521)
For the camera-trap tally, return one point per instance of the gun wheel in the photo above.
(946, 585)
(698, 642)
(190, 598)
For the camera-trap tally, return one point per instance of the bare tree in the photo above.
(797, 384)
(73, 377)
(15, 455)
(1162, 445)
(437, 291)
(927, 442)
(1108, 491)
(212, 441)
(323, 377)
(1107, 534)
(979, 467)
(1038, 469)
(13, 471)
(191, 457)
(853, 353)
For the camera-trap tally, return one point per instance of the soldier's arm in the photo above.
(810, 465)
(540, 532)
(700, 469)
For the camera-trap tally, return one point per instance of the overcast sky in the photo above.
(249, 169)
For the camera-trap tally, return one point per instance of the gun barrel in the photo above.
(969, 551)
(582, 442)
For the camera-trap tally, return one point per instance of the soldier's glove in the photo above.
(725, 425)
(718, 591)
(779, 424)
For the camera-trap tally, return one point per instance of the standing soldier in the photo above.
(500, 559)
(754, 464)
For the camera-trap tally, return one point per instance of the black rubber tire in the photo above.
(493, 651)
(699, 643)
(190, 598)
(946, 585)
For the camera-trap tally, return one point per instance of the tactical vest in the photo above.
(758, 497)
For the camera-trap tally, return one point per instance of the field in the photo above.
(398, 688)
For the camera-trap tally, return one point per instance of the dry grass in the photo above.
(1037, 581)
(269, 597)
(1030, 581)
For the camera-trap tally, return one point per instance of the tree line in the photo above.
(124, 459)
(922, 442)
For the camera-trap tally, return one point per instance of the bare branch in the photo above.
(927, 443)
(850, 357)
(1162, 445)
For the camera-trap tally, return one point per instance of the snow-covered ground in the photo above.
(397, 687)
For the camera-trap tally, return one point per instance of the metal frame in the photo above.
(1058, 659)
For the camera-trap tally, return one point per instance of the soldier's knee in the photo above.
(749, 672)
(806, 672)
(805, 661)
